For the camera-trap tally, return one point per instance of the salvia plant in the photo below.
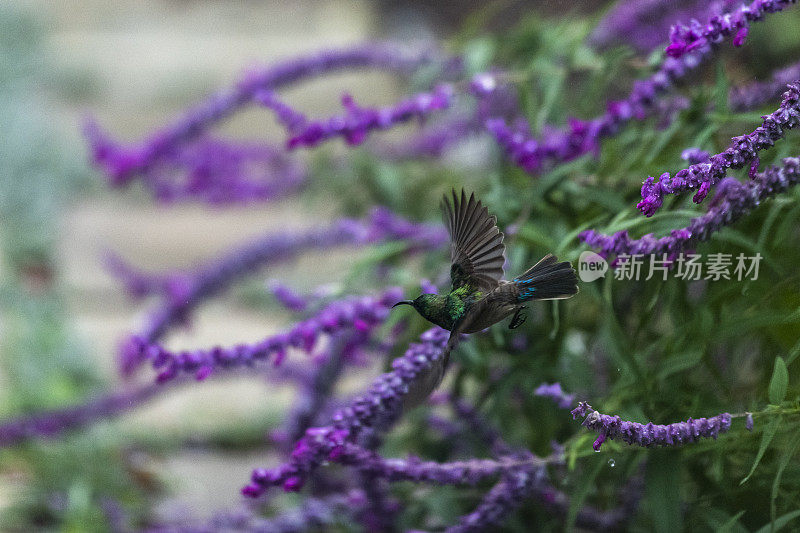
(679, 177)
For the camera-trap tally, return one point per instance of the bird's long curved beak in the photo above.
(403, 302)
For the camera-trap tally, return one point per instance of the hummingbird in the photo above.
(479, 297)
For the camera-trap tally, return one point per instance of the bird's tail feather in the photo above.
(547, 280)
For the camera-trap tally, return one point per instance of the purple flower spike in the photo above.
(649, 435)
(753, 95)
(287, 297)
(749, 422)
(358, 121)
(504, 497)
(123, 164)
(48, 424)
(360, 314)
(685, 38)
(694, 156)
(381, 403)
(742, 150)
(535, 155)
(555, 392)
(646, 99)
(644, 24)
(210, 279)
(413, 469)
(427, 287)
(733, 200)
(483, 84)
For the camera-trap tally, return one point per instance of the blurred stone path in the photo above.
(135, 65)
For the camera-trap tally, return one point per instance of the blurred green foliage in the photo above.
(42, 362)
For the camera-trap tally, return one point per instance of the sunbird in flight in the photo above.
(480, 297)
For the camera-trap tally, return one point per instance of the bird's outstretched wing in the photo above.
(476, 245)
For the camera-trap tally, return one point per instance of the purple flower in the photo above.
(414, 469)
(51, 423)
(505, 496)
(483, 84)
(742, 150)
(547, 495)
(381, 403)
(312, 514)
(122, 164)
(318, 386)
(189, 290)
(649, 435)
(749, 422)
(288, 297)
(360, 314)
(555, 392)
(581, 137)
(695, 156)
(536, 155)
(734, 199)
(436, 137)
(358, 121)
(752, 95)
(427, 287)
(685, 38)
(644, 24)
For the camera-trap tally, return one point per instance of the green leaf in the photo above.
(779, 382)
(788, 453)
(766, 438)
(778, 523)
(680, 362)
(585, 484)
(663, 482)
(793, 353)
(731, 524)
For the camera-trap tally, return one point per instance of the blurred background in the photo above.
(134, 66)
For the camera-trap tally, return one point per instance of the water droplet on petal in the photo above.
(612, 463)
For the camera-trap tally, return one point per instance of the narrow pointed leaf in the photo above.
(766, 439)
(779, 382)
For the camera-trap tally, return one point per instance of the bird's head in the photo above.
(421, 303)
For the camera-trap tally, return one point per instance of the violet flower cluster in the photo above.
(554, 146)
(122, 164)
(52, 423)
(381, 402)
(288, 298)
(357, 121)
(645, 24)
(685, 38)
(414, 469)
(742, 150)
(649, 435)
(753, 95)
(509, 494)
(581, 137)
(183, 292)
(733, 200)
(311, 515)
(556, 393)
(214, 171)
(503, 498)
(361, 314)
